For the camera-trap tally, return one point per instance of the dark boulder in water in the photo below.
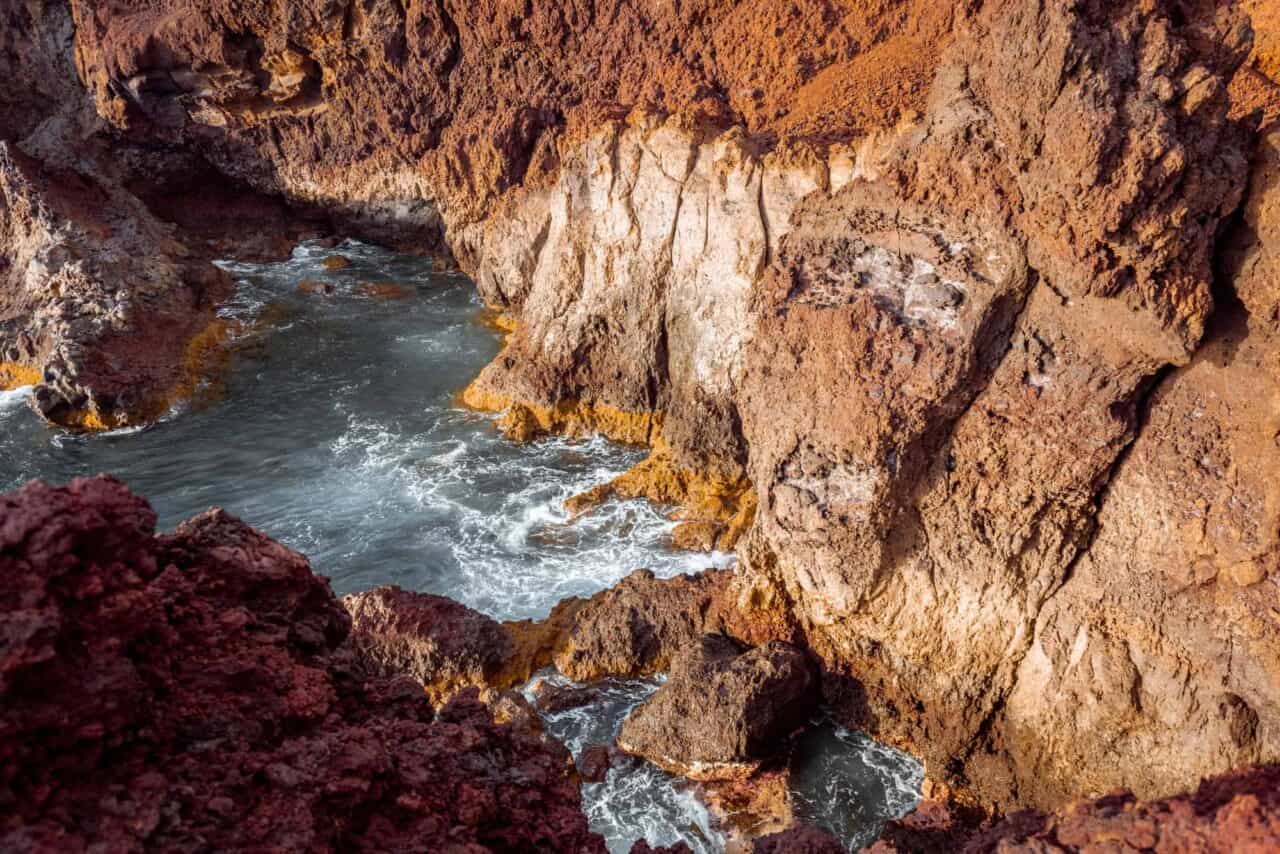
(439, 642)
(194, 691)
(724, 710)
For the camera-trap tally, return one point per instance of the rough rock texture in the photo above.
(800, 839)
(192, 691)
(1229, 813)
(724, 709)
(955, 305)
(442, 644)
(1060, 244)
(99, 305)
(105, 305)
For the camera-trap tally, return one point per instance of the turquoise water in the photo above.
(338, 434)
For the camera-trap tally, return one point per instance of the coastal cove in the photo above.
(335, 428)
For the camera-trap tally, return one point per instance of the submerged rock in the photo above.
(193, 691)
(595, 762)
(551, 697)
(724, 710)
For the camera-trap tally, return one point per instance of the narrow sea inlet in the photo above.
(336, 430)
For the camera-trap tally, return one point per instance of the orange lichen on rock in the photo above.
(524, 422)
(715, 509)
(14, 375)
(497, 320)
(204, 362)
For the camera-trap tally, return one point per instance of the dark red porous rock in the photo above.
(595, 762)
(193, 691)
(799, 839)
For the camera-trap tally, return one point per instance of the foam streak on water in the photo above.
(339, 435)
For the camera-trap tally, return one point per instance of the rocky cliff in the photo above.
(965, 314)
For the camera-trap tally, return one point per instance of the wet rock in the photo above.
(437, 641)
(725, 709)
(312, 287)
(194, 690)
(552, 697)
(384, 290)
(334, 263)
(799, 839)
(594, 763)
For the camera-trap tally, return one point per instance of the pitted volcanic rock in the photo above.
(444, 645)
(192, 690)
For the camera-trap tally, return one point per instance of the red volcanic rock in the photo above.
(551, 697)
(933, 828)
(595, 762)
(192, 691)
(1236, 812)
(798, 839)
(724, 709)
(643, 847)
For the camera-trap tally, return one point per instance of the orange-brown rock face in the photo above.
(980, 325)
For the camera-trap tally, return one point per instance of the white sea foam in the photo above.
(15, 398)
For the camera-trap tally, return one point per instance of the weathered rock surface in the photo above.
(193, 691)
(949, 484)
(106, 307)
(799, 839)
(442, 644)
(639, 626)
(724, 709)
(1232, 812)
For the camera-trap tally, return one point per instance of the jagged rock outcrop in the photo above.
(1232, 812)
(950, 482)
(107, 307)
(193, 690)
(636, 628)
(724, 710)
